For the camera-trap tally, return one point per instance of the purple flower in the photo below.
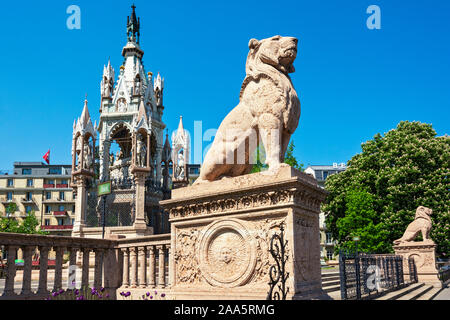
(151, 297)
(156, 292)
(148, 293)
(102, 289)
(107, 295)
(76, 292)
(61, 291)
(128, 294)
(163, 295)
(55, 294)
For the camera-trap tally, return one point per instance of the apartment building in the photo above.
(43, 189)
(327, 244)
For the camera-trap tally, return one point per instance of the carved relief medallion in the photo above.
(227, 253)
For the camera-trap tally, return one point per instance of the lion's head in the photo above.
(423, 212)
(279, 52)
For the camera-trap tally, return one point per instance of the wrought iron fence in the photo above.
(363, 276)
(119, 206)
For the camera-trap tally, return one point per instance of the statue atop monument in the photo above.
(268, 107)
(133, 26)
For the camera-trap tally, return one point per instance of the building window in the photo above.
(60, 222)
(61, 208)
(61, 195)
(325, 175)
(29, 182)
(47, 209)
(73, 221)
(330, 254)
(64, 181)
(27, 209)
(9, 196)
(54, 171)
(10, 183)
(329, 239)
(29, 196)
(48, 195)
(26, 171)
(47, 222)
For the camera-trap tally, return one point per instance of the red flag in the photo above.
(47, 157)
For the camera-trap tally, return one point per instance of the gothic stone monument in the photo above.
(222, 225)
(423, 252)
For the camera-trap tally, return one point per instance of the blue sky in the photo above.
(353, 82)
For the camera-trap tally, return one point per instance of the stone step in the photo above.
(431, 294)
(336, 278)
(332, 288)
(394, 295)
(416, 294)
(330, 283)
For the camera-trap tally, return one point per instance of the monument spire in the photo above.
(133, 26)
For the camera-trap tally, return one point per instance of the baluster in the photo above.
(72, 270)
(126, 268)
(10, 271)
(85, 268)
(169, 254)
(161, 269)
(43, 269)
(133, 267)
(152, 266)
(142, 267)
(57, 285)
(27, 269)
(98, 268)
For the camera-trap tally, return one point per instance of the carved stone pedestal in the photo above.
(423, 253)
(221, 232)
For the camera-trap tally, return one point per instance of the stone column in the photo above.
(126, 268)
(161, 270)
(85, 268)
(10, 271)
(58, 268)
(142, 268)
(104, 156)
(139, 220)
(152, 266)
(43, 266)
(27, 268)
(98, 268)
(80, 207)
(133, 267)
(111, 271)
(158, 164)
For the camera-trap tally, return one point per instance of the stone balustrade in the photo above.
(145, 262)
(131, 264)
(16, 286)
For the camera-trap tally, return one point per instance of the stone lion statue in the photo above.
(421, 223)
(268, 108)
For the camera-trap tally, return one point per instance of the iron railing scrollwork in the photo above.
(277, 272)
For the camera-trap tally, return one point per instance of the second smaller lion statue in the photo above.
(421, 223)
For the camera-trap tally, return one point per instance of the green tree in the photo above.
(30, 225)
(360, 220)
(407, 167)
(288, 158)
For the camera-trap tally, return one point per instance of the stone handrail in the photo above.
(106, 261)
(143, 261)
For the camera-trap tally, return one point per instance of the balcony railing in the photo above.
(48, 185)
(59, 213)
(57, 227)
(62, 185)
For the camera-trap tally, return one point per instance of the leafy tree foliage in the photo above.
(29, 225)
(288, 158)
(407, 167)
